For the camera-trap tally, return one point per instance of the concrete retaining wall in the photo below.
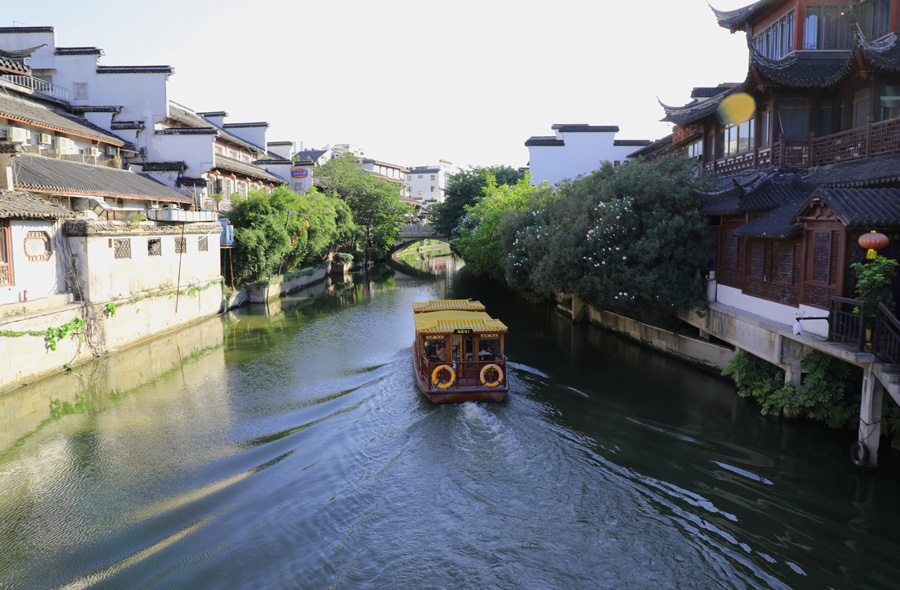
(693, 350)
(262, 293)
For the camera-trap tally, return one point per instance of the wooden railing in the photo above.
(868, 324)
(869, 140)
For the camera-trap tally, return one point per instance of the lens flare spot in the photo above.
(736, 108)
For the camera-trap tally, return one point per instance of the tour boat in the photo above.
(459, 352)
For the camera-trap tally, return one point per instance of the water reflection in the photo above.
(91, 388)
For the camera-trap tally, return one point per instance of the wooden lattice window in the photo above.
(154, 247)
(6, 271)
(774, 271)
(821, 257)
(203, 244)
(180, 245)
(37, 246)
(122, 248)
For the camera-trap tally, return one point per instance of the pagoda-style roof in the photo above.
(12, 63)
(697, 109)
(871, 208)
(803, 69)
(883, 54)
(544, 141)
(764, 191)
(734, 19)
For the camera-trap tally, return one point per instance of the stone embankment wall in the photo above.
(27, 409)
(693, 350)
(26, 352)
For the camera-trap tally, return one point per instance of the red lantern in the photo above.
(298, 233)
(292, 241)
(305, 224)
(873, 241)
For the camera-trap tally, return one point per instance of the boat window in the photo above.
(456, 348)
(435, 350)
(488, 349)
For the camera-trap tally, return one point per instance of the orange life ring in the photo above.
(443, 384)
(484, 370)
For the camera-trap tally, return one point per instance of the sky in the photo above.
(412, 82)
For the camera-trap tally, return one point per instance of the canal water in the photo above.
(287, 447)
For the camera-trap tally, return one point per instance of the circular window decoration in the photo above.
(37, 246)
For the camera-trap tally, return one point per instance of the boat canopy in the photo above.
(437, 322)
(447, 304)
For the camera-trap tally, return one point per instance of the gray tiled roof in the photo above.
(424, 170)
(95, 109)
(187, 131)
(804, 69)
(78, 51)
(777, 224)
(135, 70)
(631, 142)
(309, 155)
(584, 128)
(732, 19)
(125, 125)
(25, 204)
(231, 165)
(18, 30)
(764, 191)
(858, 173)
(40, 174)
(163, 167)
(545, 141)
(698, 109)
(243, 125)
(867, 208)
(13, 63)
(884, 54)
(38, 114)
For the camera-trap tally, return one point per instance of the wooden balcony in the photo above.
(872, 139)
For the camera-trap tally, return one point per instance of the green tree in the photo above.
(374, 202)
(463, 190)
(479, 233)
(285, 230)
(629, 239)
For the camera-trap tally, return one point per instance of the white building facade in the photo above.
(428, 183)
(576, 150)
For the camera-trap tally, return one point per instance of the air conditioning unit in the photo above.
(18, 134)
(95, 152)
(46, 139)
(110, 150)
(64, 143)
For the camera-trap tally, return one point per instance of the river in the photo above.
(288, 447)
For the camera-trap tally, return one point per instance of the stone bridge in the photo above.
(410, 234)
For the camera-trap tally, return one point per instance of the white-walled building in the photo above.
(198, 154)
(576, 150)
(428, 183)
(393, 173)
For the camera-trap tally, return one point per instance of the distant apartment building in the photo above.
(576, 150)
(393, 173)
(428, 183)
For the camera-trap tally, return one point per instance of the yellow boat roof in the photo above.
(447, 304)
(437, 322)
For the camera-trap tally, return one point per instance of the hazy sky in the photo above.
(414, 81)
